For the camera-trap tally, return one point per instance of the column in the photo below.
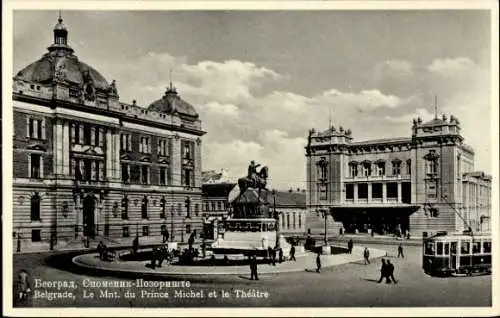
(384, 192)
(116, 173)
(355, 193)
(65, 148)
(109, 155)
(369, 192)
(399, 193)
(176, 161)
(197, 163)
(58, 145)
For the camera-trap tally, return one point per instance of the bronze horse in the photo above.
(259, 181)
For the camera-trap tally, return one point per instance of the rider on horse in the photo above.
(252, 171)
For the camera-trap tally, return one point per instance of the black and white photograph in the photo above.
(256, 158)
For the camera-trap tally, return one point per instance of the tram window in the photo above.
(465, 249)
(429, 248)
(439, 249)
(447, 249)
(264, 227)
(453, 247)
(476, 247)
(486, 247)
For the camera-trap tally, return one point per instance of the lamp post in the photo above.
(276, 217)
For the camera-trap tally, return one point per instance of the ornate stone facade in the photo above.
(397, 185)
(88, 165)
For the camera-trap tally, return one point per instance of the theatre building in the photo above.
(88, 165)
(422, 183)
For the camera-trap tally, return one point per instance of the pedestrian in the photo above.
(135, 245)
(292, 253)
(165, 235)
(253, 268)
(273, 256)
(350, 245)
(366, 255)
(153, 257)
(383, 272)
(24, 284)
(318, 262)
(162, 255)
(280, 255)
(390, 271)
(100, 250)
(400, 251)
(269, 255)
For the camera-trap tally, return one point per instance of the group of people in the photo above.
(104, 253)
(387, 272)
(160, 254)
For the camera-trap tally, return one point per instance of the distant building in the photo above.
(87, 164)
(422, 183)
(291, 207)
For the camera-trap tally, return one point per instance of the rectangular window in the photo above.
(186, 150)
(476, 247)
(145, 174)
(188, 228)
(322, 188)
(100, 170)
(300, 221)
(93, 168)
(35, 171)
(429, 248)
(187, 177)
(392, 190)
(465, 248)
(80, 134)
(163, 175)
(145, 230)
(125, 231)
(349, 191)
(377, 190)
(73, 133)
(125, 172)
(363, 191)
(100, 137)
(141, 145)
(36, 235)
(408, 167)
(92, 136)
(486, 247)
(439, 248)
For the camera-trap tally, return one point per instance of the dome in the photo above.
(172, 103)
(72, 69)
(60, 64)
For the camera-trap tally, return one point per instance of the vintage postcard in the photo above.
(250, 158)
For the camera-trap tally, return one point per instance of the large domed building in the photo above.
(87, 165)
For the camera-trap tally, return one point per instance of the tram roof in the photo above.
(459, 235)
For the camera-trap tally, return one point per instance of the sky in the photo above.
(261, 79)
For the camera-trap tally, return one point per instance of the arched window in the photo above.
(35, 207)
(300, 220)
(144, 207)
(353, 169)
(196, 209)
(163, 205)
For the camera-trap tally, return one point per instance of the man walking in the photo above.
(390, 271)
(292, 253)
(318, 262)
(383, 273)
(253, 268)
(400, 251)
(366, 255)
(280, 255)
(350, 245)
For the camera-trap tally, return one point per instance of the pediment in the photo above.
(125, 157)
(145, 159)
(37, 147)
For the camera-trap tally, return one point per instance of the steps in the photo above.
(316, 223)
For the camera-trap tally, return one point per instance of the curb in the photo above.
(76, 262)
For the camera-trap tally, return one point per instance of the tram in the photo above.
(446, 254)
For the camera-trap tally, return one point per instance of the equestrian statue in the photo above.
(254, 179)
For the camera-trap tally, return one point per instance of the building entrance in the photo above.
(391, 221)
(88, 216)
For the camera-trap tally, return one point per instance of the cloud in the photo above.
(408, 118)
(399, 67)
(452, 67)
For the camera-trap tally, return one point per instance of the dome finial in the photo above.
(60, 17)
